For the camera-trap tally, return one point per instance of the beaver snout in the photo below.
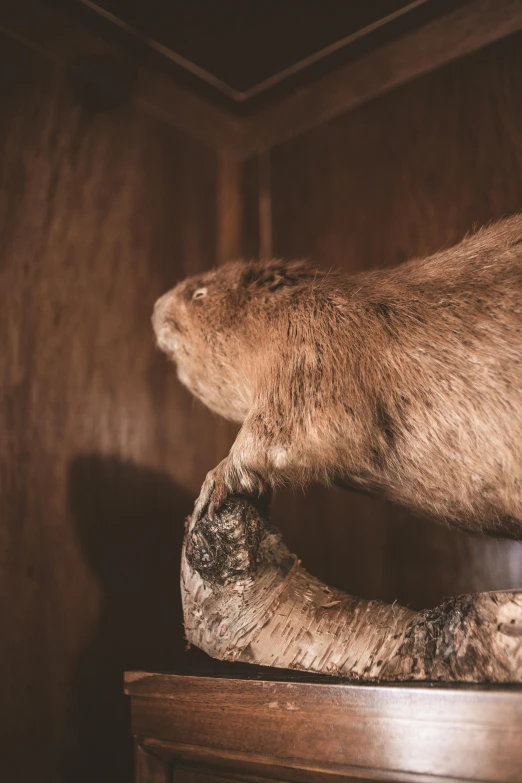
(160, 311)
(166, 326)
(164, 314)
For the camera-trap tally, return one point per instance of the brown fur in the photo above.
(406, 382)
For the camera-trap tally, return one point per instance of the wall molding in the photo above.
(71, 45)
(470, 27)
(461, 32)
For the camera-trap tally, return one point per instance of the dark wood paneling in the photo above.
(149, 768)
(62, 38)
(468, 27)
(101, 450)
(256, 213)
(245, 55)
(229, 208)
(243, 44)
(250, 229)
(401, 177)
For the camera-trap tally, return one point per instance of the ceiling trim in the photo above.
(165, 51)
(458, 33)
(470, 27)
(35, 24)
(242, 96)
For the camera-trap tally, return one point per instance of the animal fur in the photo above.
(406, 382)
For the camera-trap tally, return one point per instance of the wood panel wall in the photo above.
(102, 208)
(399, 177)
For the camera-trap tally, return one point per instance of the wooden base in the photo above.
(244, 723)
(247, 598)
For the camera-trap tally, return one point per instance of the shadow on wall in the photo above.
(129, 522)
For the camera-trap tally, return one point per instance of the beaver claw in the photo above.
(215, 490)
(223, 481)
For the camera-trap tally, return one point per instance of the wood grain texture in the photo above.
(192, 776)
(265, 206)
(250, 228)
(149, 767)
(465, 29)
(398, 178)
(102, 208)
(255, 240)
(399, 733)
(229, 207)
(208, 766)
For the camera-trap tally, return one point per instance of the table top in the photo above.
(288, 725)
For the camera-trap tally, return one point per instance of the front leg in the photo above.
(249, 469)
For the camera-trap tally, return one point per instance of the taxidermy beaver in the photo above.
(405, 382)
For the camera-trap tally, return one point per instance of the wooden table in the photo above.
(245, 723)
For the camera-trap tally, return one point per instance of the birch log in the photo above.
(247, 598)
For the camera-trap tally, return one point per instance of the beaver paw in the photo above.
(212, 494)
(223, 481)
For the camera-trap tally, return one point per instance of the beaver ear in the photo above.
(274, 280)
(270, 278)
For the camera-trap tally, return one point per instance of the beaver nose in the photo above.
(160, 311)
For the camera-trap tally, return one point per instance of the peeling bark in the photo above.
(247, 598)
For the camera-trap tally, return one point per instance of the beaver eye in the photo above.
(199, 293)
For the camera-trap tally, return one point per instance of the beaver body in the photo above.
(405, 382)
